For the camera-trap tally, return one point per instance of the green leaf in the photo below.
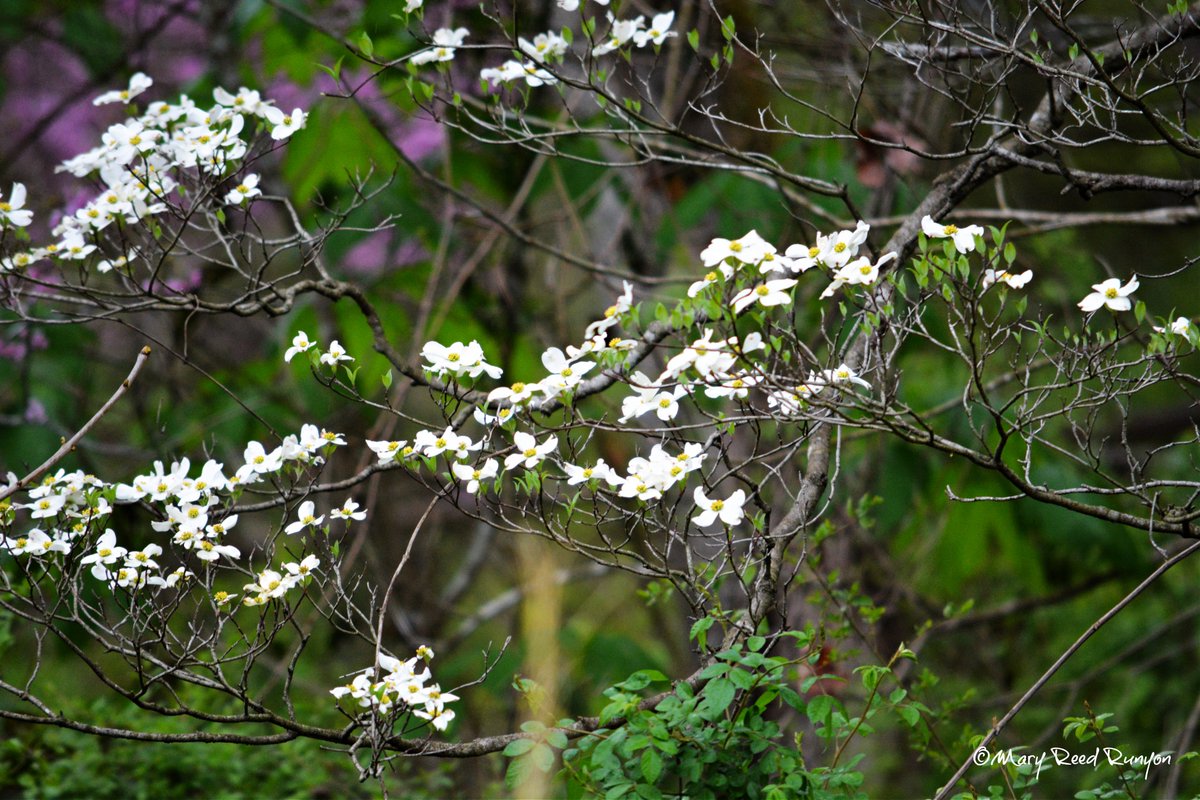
(387, 379)
(518, 770)
(542, 757)
(519, 747)
(728, 28)
(1073, 51)
(718, 695)
(366, 45)
(693, 38)
(741, 678)
(819, 709)
(755, 643)
(652, 765)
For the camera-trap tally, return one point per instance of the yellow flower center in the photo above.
(567, 372)
(735, 247)
(518, 387)
(813, 252)
(762, 291)
(453, 357)
(440, 443)
(865, 269)
(664, 403)
(530, 453)
(839, 247)
(1110, 293)
(717, 505)
(710, 276)
(950, 230)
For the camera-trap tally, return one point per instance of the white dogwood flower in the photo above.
(771, 293)
(964, 238)
(729, 510)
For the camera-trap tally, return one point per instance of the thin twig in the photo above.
(1182, 555)
(69, 444)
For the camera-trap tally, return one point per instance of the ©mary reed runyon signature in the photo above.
(1062, 757)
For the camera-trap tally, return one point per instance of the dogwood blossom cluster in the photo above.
(145, 161)
(550, 47)
(396, 686)
(271, 585)
(70, 511)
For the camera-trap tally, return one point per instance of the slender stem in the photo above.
(383, 601)
(944, 792)
(69, 444)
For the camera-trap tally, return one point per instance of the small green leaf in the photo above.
(651, 765)
(519, 747)
(700, 627)
(718, 695)
(819, 709)
(366, 45)
(693, 38)
(516, 773)
(1073, 51)
(542, 757)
